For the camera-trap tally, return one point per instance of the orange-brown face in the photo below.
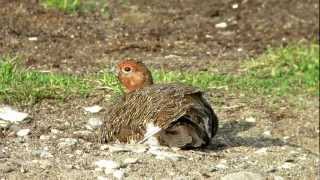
(133, 75)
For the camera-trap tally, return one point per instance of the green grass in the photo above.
(279, 72)
(25, 86)
(293, 69)
(65, 5)
(77, 5)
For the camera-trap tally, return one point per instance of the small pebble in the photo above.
(221, 25)
(243, 175)
(11, 115)
(221, 166)
(82, 133)
(171, 56)
(277, 177)
(239, 49)
(66, 142)
(93, 123)
(118, 174)
(235, 6)
(93, 109)
(261, 151)
(102, 178)
(130, 161)
(55, 131)
(250, 119)
(267, 134)
(104, 147)
(163, 155)
(4, 124)
(23, 132)
(136, 148)
(43, 164)
(286, 138)
(33, 39)
(6, 168)
(107, 164)
(69, 166)
(287, 165)
(42, 153)
(44, 137)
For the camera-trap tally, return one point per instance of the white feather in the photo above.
(151, 131)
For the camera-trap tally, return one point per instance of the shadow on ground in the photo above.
(228, 137)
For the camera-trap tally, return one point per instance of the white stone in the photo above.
(171, 56)
(267, 134)
(23, 132)
(55, 131)
(277, 177)
(287, 165)
(93, 109)
(261, 151)
(136, 148)
(285, 138)
(221, 166)
(102, 178)
(221, 25)
(243, 175)
(163, 155)
(118, 174)
(209, 36)
(11, 115)
(78, 152)
(130, 161)
(4, 124)
(66, 142)
(250, 119)
(303, 157)
(42, 153)
(44, 137)
(82, 133)
(235, 6)
(94, 123)
(33, 39)
(107, 164)
(43, 164)
(239, 49)
(104, 147)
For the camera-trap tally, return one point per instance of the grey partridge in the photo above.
(174, 115)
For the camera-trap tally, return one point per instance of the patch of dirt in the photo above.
(242, 144)
(172, 34)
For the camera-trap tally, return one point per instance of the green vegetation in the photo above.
(293, 69)
(279, 72)
(65, 5)
(76, 5)
(25, 86)
(289, 70)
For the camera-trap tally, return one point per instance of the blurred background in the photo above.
(85, 35)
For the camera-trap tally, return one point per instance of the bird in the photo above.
(172, 114)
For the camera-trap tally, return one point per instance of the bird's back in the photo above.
(160, 105)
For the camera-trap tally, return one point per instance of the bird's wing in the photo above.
(159, 104)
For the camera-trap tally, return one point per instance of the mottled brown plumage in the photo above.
(184, 116)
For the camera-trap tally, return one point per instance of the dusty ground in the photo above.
(254, 136)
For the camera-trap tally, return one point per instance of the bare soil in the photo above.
(172, 34)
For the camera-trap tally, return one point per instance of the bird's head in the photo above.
(133, 75)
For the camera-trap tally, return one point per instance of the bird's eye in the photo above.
(127, 69)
